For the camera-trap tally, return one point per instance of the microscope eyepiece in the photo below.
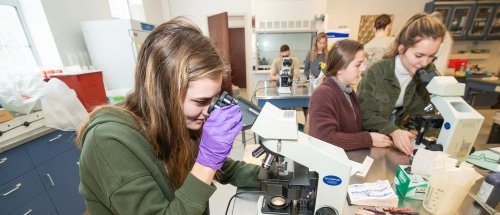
(287, 62)
(250, 111)
(220, 101)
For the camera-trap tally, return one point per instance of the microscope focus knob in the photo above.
(326, 211)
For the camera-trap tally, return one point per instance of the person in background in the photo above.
(334, 111)
(376, 48)
(277, 64)
(390, 93)
(317, 55)
(444, 52)
(159, 151)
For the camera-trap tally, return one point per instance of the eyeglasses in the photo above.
(284, 55)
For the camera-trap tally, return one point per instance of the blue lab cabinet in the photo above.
(41, 176)
(469, 20)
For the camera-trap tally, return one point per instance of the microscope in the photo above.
(457, 121)
(286, 76)
(300, 174)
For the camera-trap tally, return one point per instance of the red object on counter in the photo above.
(457, 63)
(89, 87)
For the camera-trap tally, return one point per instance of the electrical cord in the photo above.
(235, 195)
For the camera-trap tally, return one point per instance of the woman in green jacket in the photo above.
(390, 92)
(159, 151)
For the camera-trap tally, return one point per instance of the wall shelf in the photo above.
(470, 56)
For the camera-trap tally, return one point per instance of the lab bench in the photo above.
(482, 91)
(267, 91)
(384, 166)
(39, 174)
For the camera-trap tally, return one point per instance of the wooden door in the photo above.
(218, 31)
(238, 58)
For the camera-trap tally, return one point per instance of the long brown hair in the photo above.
(341, 55)
(314, 50)
(174, 54)
(416, 28)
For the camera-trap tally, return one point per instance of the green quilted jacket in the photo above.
(377, 93)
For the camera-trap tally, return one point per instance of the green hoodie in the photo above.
(120, 175)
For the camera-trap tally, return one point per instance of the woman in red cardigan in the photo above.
(334, 111)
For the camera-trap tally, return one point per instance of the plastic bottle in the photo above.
(312, 81)
(489, 191)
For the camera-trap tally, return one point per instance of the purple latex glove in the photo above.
(219, 131)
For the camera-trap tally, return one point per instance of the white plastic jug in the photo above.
(448, 188)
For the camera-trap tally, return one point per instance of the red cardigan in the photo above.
(332, 119)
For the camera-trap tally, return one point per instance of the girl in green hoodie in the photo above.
(159, 151)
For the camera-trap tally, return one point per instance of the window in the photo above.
(16, 49)
(269, 43)
(127, 9)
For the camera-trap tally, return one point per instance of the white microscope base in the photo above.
(259, 205)
(284, 90)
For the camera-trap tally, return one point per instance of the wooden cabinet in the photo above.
(469, 20)
(41, 176)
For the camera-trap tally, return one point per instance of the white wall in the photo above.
(64, 17)
(348, 13)
(278, 10)
(199, 10)
(153, 10)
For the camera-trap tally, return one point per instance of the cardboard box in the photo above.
(5, 115)
(409, 185)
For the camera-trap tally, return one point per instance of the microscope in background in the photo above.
(300, 174)
(286, 76)
(459, 123)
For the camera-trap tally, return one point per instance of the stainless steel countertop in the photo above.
(24, 138)
(269, 90)
(383, 167)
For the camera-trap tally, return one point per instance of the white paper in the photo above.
(425, 161)
(379, 193)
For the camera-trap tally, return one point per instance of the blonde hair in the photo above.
(174, 54)
(314, 51)
(418, 27)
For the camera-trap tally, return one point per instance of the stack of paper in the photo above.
(379, 193)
